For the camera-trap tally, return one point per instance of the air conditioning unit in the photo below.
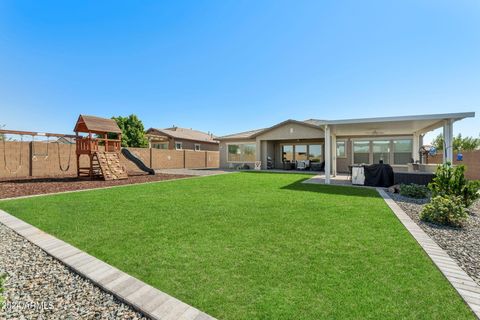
(358, 175)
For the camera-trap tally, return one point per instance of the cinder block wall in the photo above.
(195, 159)
(36, 162)
(471, 160)
(167, 159)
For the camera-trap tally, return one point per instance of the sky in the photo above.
(230, 66)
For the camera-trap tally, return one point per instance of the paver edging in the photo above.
(114, 281)
(461, 282)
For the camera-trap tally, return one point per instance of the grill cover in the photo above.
(379, 175)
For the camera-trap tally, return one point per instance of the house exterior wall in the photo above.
(292, 131)
(223, 152)
(273, 148)
(190, 145)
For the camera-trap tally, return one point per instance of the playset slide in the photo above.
(138, 162)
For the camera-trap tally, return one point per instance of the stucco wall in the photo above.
(292, 131)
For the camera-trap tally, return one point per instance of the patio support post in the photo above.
(328, 154)
(416, 147)
(448, 141)
(334, 155)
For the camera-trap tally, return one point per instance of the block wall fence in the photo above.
(471, 160)
(39, 159)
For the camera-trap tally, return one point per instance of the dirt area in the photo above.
(26, 187)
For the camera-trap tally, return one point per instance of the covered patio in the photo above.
(335, 146)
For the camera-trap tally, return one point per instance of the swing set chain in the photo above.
(20, 160)
(69, 157)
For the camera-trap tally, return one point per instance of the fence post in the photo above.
(184, 159)
(151, 158)
(30, 161)
(206, 159)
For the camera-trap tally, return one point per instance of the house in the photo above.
(66, 140)
(334, 145)
(176, 138)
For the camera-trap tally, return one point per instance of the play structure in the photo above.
(104, 163)
(102, 146)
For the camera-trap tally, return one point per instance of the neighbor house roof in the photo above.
(367, 126)
(96, 124)
(184, 133)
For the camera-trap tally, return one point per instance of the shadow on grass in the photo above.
(331, 189)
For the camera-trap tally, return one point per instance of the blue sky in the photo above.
(229, 66)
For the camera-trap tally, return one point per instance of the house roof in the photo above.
(96, 124)
(184, 133)
(367, 126)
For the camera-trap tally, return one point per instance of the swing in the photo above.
(69, 157)
(5, 157)
(34, 154)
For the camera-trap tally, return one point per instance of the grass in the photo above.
(255, 246)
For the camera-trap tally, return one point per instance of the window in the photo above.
(197, 147)
(287, 153)
(160, 145)
(315, 153)
(341, 150)
(241, 152)
(381, 151)
(301, 152)
(178, 145)
(402, 151)
(361, 152)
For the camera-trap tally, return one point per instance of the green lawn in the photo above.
(255, 246)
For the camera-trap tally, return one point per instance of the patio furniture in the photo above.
(317, 166)
(287, 165)
(303, 164)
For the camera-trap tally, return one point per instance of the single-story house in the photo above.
(337, 144)
(176, 138)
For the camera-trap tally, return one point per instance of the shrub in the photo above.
(414, 191)
(446, 210)
(451, 181)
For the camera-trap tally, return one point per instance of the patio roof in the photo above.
(401, 125)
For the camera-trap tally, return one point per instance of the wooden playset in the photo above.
(103, 152)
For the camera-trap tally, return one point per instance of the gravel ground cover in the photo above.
(462, 244)
(39, 287)
(26, 187)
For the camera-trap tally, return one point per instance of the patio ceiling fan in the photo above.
(374, 132)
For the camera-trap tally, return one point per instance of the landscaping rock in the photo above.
(462, 244)
(40, 287)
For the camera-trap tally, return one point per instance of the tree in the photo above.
(133, 132)
(459, 143)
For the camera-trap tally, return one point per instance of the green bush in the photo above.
(414, 191)
(446, 210)
(451, 181)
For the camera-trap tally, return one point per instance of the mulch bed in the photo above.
(27, 187)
